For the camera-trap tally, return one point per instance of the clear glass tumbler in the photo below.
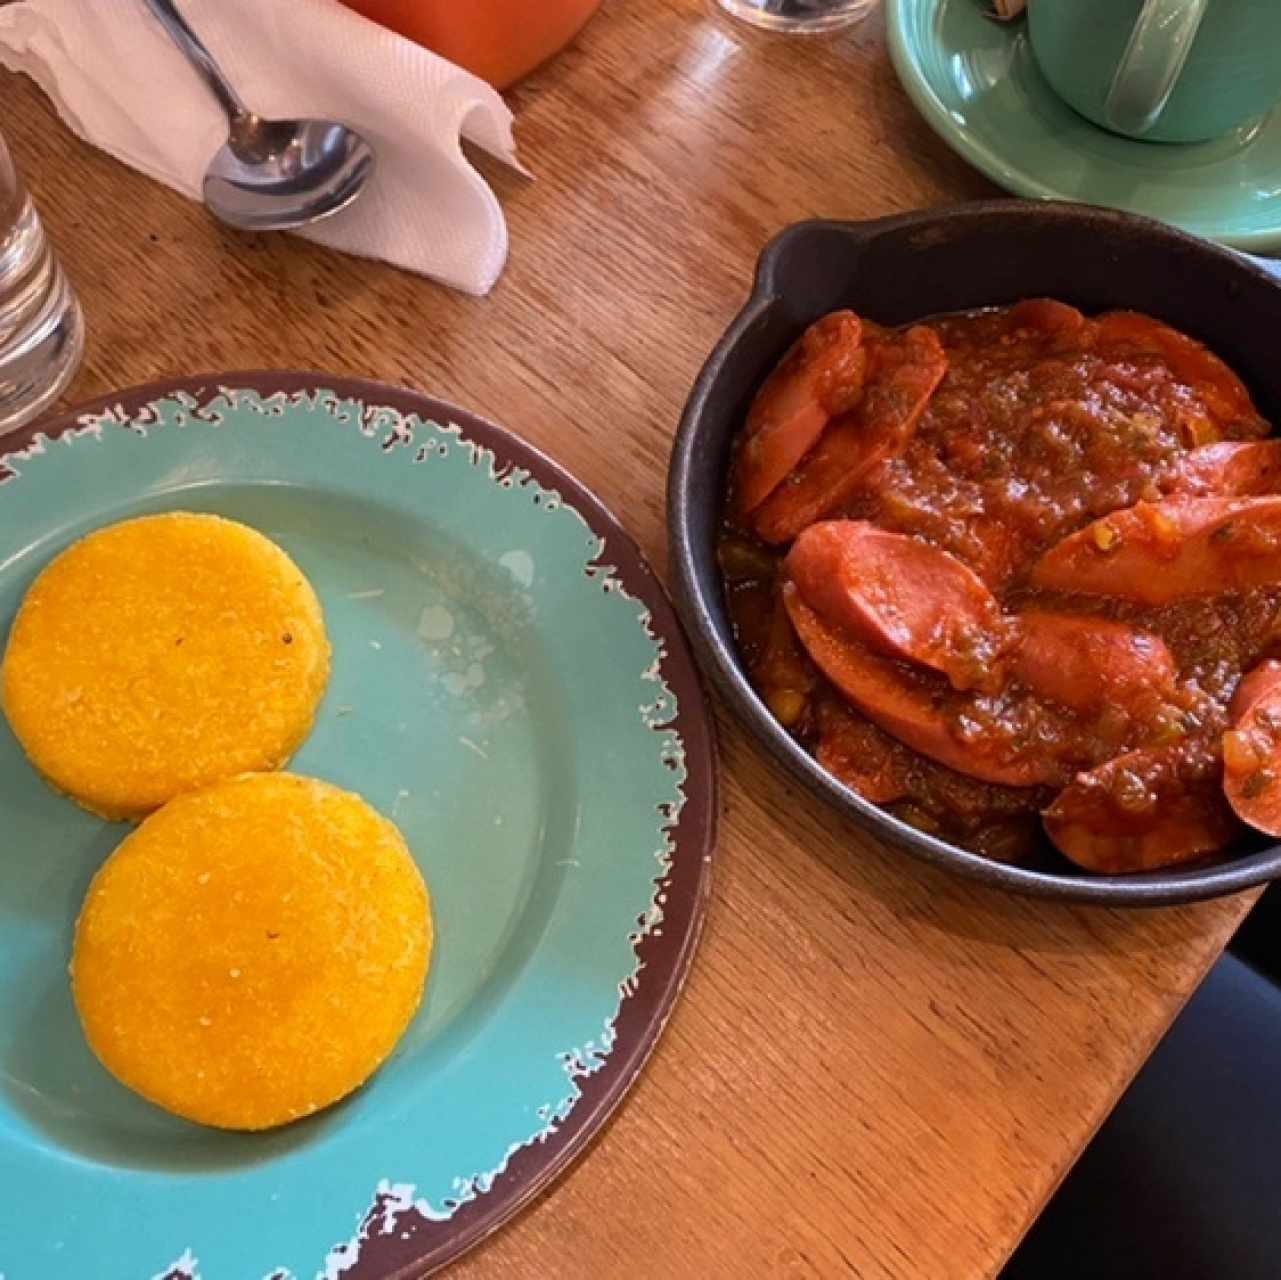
(41, 326)
(799, 17)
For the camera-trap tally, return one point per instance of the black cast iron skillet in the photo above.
(899, 269)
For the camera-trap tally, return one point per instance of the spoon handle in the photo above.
(199, 57)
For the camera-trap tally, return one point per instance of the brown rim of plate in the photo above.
(664, 956)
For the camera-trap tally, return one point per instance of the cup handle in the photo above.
(1271, 265)
(1158, 48)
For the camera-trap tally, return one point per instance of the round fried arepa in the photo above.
(160, 655)
(252, 952)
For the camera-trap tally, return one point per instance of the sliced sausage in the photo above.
(1178, 549)
(903, 371)
(1193, 364)
(1229, 469)
(1055, 320)
(1252, 686)
(1001, 822)
(1143, 810)
(1083, 663)
(906, 707)
(1252, 750)
(900, 597)
(820, 377)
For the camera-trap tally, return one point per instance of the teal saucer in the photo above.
(978, 85)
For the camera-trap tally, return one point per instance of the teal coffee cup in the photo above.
(1161, 70)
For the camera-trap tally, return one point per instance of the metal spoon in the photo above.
(271, 175)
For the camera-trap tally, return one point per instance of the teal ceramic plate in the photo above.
(978, 85)
(510, 685)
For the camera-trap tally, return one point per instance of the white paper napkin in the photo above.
(120, 83)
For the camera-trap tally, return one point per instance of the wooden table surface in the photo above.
(876, 1070)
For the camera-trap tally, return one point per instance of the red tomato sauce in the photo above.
(1043, 423)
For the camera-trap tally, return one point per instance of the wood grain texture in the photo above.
(876, 1070)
